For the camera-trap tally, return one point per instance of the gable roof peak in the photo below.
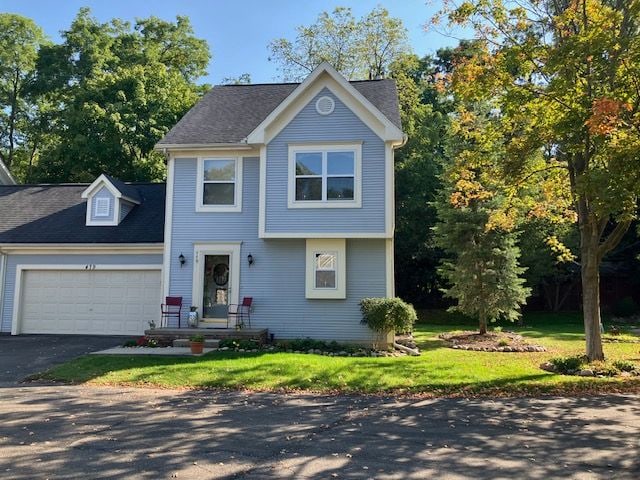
(117, 187)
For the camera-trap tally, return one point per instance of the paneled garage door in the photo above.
(99, 302)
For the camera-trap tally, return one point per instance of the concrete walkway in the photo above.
(80, 432)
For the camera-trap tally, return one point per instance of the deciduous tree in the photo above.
(563, 77)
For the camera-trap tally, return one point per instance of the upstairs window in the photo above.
(219, 186)
(324, 176)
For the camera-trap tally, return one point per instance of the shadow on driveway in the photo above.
(24, 355)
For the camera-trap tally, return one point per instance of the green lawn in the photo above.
(438, 371)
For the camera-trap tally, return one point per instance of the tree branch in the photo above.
(614, 238)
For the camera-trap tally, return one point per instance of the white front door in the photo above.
(216, 281)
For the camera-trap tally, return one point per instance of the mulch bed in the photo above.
(489, 342)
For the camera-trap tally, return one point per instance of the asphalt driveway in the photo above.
(25, 355)
(83, 432)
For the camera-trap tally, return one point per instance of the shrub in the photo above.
(146, 342)
(130, 343)
(197, 338)
(239, 343)
(503, 342)
(568, 364)
(384, 314)
(625, 307)
(497, 329)
(624, 366)
(306, 344)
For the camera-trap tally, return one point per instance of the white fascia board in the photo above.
(172, 147)
(5, 175)
(325, 235)
(82, 248)
(389, 132)
(103, 180)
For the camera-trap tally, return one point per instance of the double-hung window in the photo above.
(326, 176)
(219, 184)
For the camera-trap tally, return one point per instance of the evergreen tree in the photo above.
(483, 269)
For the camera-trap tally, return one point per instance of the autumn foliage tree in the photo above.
(563, 77)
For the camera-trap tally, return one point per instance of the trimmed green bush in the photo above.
(624, 366)
(385, 314)
(625, 307)
(568, 364)
(239, 343)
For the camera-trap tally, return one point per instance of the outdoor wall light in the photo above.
(182, 260)
(250, 259)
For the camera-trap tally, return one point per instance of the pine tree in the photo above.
(482, 268)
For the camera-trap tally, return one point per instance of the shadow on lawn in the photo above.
(232, 435)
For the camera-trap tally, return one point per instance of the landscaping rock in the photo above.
(548, 366)
(586, 373)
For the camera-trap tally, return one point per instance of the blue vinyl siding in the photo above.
(309, 126)
(6, 312)
(103, 193)
(276, 280)
(125, 208)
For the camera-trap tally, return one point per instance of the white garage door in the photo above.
(99, 302)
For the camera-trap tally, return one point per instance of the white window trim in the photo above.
(108, 221)
(335, 246)
(101, 202)
(237, 205)
(324, 148)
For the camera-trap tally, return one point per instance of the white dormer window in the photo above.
(101, 207)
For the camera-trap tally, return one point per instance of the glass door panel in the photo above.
(215, 301)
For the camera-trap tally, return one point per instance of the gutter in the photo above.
(3, 275)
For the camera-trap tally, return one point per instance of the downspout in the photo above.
(3, 274)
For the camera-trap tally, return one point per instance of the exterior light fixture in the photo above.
(250, 259)
(182, 260)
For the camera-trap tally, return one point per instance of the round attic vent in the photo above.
(325, 105)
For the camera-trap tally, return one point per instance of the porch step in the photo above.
(184, 342)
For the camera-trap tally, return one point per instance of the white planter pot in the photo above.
(193, 319)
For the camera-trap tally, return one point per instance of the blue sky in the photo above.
(238, 31)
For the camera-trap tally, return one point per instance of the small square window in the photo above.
(101, 207)
(325, 268)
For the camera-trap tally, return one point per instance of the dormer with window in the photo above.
(109, 201)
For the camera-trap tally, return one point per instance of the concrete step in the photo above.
(184, 342)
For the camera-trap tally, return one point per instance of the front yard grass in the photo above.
(438, 371)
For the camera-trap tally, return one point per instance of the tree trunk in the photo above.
(591, 298)
(483, 323)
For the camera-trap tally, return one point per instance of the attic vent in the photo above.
(325, 105)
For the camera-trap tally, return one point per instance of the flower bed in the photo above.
(489, 342)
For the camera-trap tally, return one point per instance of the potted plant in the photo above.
(197, 343)
(193, 317)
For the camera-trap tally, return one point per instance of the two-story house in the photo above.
(279, 192)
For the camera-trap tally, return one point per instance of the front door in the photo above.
(215, 294)
(216, 281)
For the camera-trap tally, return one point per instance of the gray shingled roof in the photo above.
(126, 189)
(57, 214)
(229, 113)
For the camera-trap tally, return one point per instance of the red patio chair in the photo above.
(240, 312)
(172, 308)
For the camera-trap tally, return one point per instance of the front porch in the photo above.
(169, 334)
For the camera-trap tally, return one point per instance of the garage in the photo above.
(103, 300)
